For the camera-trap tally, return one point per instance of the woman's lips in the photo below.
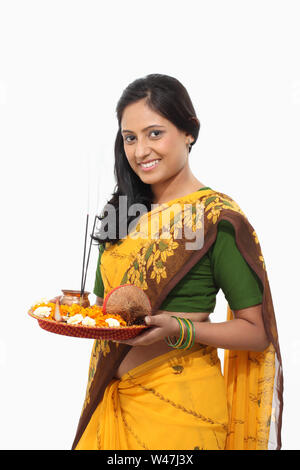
(150, 167)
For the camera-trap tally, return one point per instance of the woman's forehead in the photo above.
(138, 117)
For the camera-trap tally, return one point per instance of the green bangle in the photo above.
(183, 346)
(181, 335)
(189, 346)
(191, 333)
(194, 334)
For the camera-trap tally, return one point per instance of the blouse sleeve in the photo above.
(98, 286)
(240, 284)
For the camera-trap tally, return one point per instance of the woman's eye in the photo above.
(159, 132)
(131, 140)
(128, 141)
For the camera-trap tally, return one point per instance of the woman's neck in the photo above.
(169, 191)
(179, 185)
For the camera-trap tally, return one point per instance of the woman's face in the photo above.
(147, 137)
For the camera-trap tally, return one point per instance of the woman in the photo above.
(164, 389)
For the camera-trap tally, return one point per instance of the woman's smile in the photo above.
(149, 166)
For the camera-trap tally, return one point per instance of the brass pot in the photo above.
(73, 297)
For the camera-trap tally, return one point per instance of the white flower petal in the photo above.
(112, 322)
(88, 321)
(42, 312)
(75, 319)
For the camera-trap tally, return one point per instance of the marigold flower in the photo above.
(93, 313)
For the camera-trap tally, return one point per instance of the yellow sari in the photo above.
(181, 400)
(182, 391)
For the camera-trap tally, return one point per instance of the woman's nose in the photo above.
(141, 149)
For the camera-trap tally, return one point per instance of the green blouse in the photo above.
(222, 267)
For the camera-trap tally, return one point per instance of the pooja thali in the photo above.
(125, 306)
(92, 332)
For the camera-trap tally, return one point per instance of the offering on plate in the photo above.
(75, 297)
(76, 315)
(128, 301)
(123, 306)
(120, 318)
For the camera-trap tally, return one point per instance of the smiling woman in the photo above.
(170, 376)
(158, 153)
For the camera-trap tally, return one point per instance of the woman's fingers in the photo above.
(144, 339)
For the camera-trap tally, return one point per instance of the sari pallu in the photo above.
(154, 258)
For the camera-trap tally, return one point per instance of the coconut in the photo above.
(128, 301)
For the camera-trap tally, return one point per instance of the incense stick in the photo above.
(88, 258)
(84, 251)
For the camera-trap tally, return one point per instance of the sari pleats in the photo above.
(174, 401)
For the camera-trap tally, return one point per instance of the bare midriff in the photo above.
(140, 354)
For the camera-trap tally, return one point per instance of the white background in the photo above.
(63, 66)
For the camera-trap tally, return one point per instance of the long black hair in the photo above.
(168, 97)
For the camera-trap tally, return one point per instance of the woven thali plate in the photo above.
(93, 332)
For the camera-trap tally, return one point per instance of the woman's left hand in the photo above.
(162, 325)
